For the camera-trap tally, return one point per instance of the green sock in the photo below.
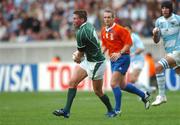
(107, 103)
(70, 97)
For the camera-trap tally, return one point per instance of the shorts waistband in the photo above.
(125, 54)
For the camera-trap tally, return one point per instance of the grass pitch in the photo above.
(36, 109)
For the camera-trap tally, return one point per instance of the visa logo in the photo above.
(18, 77)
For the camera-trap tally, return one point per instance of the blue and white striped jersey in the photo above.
(170, 32)
(137, 43)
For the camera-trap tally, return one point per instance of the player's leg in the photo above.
(145, 96)
(134, 71)
(116, 78)
(96, 73)
(97, 87)
(78, 75)
(134, 90)
(177, 69)
(161, 81)
(171, 60)
(133, 75)
(174, 61)
(122, 69)
(119, 68)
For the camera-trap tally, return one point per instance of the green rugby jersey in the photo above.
(88, 42)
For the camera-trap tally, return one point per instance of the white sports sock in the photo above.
(161, 81)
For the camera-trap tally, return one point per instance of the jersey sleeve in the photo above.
(81, 45)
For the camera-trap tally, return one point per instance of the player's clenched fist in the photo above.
(77, 56)
(155, 30)
(156, 34)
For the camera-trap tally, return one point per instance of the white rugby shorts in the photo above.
(176, 56)
(95, 70)
(136, 65)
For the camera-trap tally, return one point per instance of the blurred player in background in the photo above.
(168, 27)
(152, 71)
(92, 64)
(116, 43)
(137, 58)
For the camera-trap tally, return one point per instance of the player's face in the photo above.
(77, 21)
(165, 12)
(108, 19)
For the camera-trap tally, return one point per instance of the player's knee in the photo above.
(72, 84)
(114, 85)
(134, 75)
(133, 79)
(159, 68)
(162, 65)
(122, 86)
(98, 93)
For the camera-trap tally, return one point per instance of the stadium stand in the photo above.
(39, 20)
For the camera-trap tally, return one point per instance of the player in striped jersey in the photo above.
(168, 27)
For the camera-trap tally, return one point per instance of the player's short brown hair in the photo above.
(108, 10)
(81, 14)
(167, 4)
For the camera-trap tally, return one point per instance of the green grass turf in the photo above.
(36, 109)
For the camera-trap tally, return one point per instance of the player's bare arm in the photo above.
(77, 56)
(156, 36)
(115, 56)
(139, 51)
(104, 49)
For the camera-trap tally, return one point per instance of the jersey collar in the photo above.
(172, 15)
(83, 24)
(108, 29)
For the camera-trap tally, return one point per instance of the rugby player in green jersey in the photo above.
(91, 63)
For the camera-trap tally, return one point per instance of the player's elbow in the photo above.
(156, 39)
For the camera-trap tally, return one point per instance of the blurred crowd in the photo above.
(38, 20)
